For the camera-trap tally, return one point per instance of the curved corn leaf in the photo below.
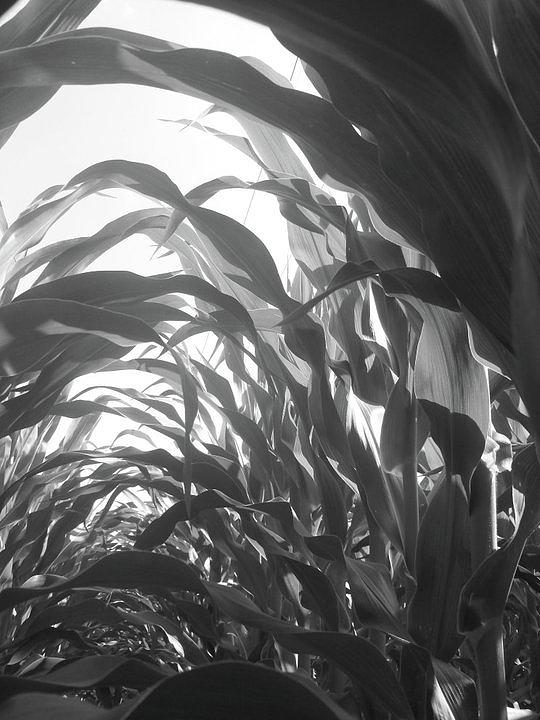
(87, 672)
(35, 21)
(127, 569)
(31, 706)
(32, 329)
(420, 284)
(219, 690)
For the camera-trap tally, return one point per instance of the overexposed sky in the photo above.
(80, 126)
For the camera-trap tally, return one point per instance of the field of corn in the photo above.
(335, 513)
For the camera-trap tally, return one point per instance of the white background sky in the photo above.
(84, 125)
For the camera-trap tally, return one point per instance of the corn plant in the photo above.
(332, 514)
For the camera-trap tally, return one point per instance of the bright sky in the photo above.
(84, 125)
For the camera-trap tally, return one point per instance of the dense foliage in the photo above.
(257, 544)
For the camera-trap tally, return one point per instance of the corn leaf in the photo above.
(442, 568)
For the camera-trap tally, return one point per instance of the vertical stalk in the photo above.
(483, 514)
(377, 554)
(488, 648)
(489, 657)
(410, 491)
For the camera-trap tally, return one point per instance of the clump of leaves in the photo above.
(254, 525)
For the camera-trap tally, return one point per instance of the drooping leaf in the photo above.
(413, 137)
(407, 281)
(87, 672)
(73, 615)
(241, 255)
(74, 255)
(136, 569)
(32, 706)
(35, 21)
(31, 329)
(253, 93)
(88, 354)
(219, 690)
